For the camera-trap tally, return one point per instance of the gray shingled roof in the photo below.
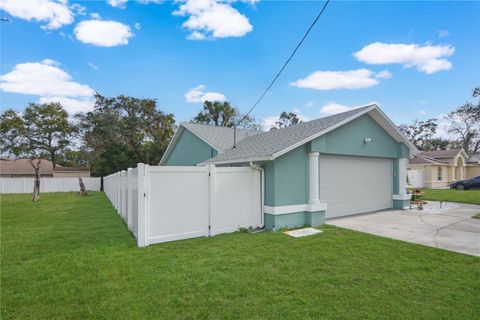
(221, 138)
(271, 142)
(442, 153)
(474, 159)
(425, 160)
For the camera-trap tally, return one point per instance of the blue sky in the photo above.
(416, 59)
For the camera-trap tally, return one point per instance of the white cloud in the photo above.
(46, 80)
(93, 66)
(195, 35)
(213, 18)
(334, 108)
(55, 13)
(422, 112)
(42, 79)
(198, 94)
(71, 105)
(117, 3)
(149, 1)
(385, 74)
(95, 15)
(78, 9)
(443, 33)
(137, 26)
(427, 58)
(328, 80)
(103, 33)
(310, 103)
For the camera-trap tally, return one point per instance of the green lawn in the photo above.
(452, 195)
(68, 257)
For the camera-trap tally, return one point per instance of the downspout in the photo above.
(262, 191)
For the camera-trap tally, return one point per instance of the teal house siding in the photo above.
(190, 150)
(349, 140)
(286, 178)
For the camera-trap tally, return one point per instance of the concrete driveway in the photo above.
(453, 230)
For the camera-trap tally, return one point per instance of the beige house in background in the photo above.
(21, 168)
(437, 169)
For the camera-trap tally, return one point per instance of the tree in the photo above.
(123, 131)
(42, 131)
(420, 133)
(465, 124)
(222, 114)
(286, 119)
(438, 144)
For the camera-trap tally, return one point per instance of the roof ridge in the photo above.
(212, 126)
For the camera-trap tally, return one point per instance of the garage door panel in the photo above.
(351, 185)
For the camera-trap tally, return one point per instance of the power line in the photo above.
(285, 64)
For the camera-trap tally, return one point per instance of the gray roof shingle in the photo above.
(451, 153)
(221, 138)
(271, 142)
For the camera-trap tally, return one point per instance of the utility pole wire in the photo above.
(286, 62)
(278, 74)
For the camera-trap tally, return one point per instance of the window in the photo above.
(439, 173)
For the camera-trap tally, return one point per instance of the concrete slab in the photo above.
(453, 229)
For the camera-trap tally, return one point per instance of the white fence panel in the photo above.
(237, 199)
(416, 178)
(163, 203)
(177, 203)
(25, 185)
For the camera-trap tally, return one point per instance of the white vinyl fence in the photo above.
(25, 185)
(163, 203)
(416, 178)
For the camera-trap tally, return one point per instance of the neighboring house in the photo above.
(21, 168)
(348, 163)
(473, 166)
(437, 169)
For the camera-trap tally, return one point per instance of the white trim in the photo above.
(314, 185)
(243, 160)
(402, 197)
(278, 210)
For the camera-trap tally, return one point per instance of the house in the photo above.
(439, 168)
(473, 166)
(349, 163)
(21, 168)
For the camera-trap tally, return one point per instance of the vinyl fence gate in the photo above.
(166, 203)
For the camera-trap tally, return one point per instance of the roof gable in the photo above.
(272, 144)
(217, 137)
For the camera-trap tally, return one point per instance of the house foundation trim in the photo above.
(295, 208)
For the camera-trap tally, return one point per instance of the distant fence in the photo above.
(25, 185)
(166, 203)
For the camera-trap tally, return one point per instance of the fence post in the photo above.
(129, 198)
(211, 199)
(142, 207)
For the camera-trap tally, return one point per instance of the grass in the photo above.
(452, 195)
(477, 216)
(68, 257)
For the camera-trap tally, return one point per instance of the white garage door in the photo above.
(351, 185)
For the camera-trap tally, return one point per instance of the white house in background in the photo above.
(437, 169)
